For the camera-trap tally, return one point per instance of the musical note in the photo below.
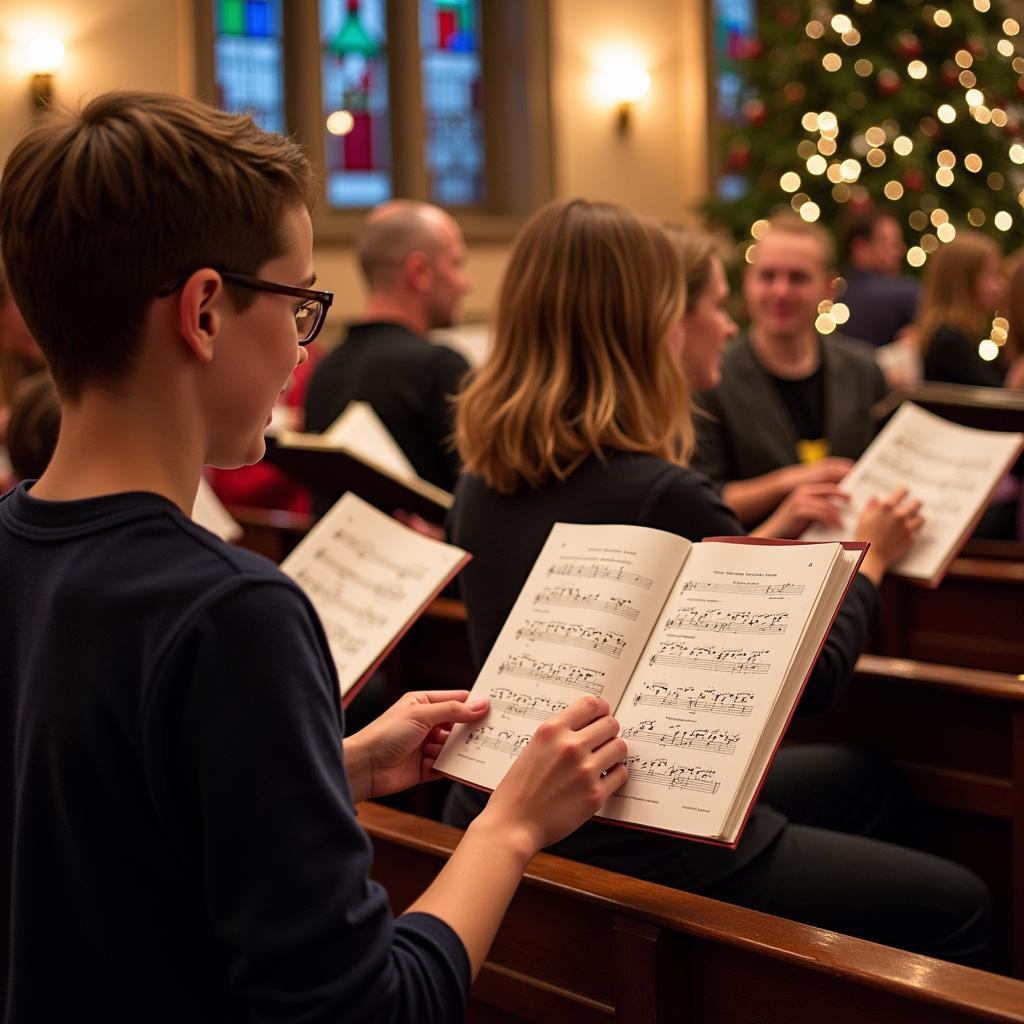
(388, 591)
(557, 673)
(504, 740)
(333, 593)
(662, 772)
(716, 740)
(718, 620)
(573, 597)
(742, 587)
(689, 698)
(572, 634)
(512, 702)
(710, 658)
(363, 549)
(339, 636)
(600, 572)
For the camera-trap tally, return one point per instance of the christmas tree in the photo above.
(913, 107)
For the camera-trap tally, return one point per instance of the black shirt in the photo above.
(505, 534)
(409, 382)
(953, 358)
(177, 836)
(804, 400)
(880, 305)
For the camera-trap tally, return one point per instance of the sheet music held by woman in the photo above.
(701, 650)
(951, 469)
(369, 578)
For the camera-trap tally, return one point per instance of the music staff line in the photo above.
(718, 620)
(715, 740)
(523, 705)
(387, 591)
(571, 634)
(661, 772)
(594, 571)
(334, 595)
(687, 698)
(369, 553)
(573, 597)
(709, 658)
(562, 673)
(742, 587)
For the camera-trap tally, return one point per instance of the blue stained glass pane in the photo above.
(452, 80)
(357, 139)
(259, 18)
(249, 64)
(735, 21)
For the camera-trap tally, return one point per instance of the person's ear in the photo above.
(199, 317)
(418, 272)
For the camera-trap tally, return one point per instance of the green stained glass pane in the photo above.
(231, 18)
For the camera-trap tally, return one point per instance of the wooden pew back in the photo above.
(580, 944)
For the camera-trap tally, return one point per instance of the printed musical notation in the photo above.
(711, 658)
(719, 620)
(363, 549)
(505, 741)
(920, 448)
(573, 597)
(716, 740)
(341, 638)
(689, 698)
(572, 634)
(600, 572)
(742, 587)
(562, 673)
(388, 591)
(523, 705)
(659, 771)
(334, 593)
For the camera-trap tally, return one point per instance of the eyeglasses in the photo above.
(309, 315)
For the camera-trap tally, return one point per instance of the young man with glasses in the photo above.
(177, 834)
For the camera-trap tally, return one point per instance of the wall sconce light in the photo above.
(44, 55)
(627, 85)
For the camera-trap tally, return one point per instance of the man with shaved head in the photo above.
(412, 256)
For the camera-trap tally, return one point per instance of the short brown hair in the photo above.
(579, 363)
(788, 223)
(101, 208)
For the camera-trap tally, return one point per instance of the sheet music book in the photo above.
(369, 578)
(701, 650)
(952, 469)
(210, 513)
(357, 453)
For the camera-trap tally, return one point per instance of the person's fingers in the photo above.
(915, 523)
(609, 753)
(580, 713)
(599, 732)
(911, 508)
(448, 711)
(896, 497)
(436, 696)
(611, 780)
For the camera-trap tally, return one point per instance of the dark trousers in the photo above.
(825, 865)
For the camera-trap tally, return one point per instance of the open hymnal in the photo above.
(369, 578)
(357, 453)
(701, 650)
(952, 469)
(210, 513)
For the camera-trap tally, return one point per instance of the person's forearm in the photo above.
(357, 768)
(473, 890)
(757, 497)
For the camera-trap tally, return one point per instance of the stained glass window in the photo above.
(248, 56)
(357, 142)
(450, 47)
(734, 27)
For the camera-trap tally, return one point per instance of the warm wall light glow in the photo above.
(621, 81)
(44, 54)
(340, 122)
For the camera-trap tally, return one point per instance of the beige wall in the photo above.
(659, 167)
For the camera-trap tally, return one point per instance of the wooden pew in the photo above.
(984, 408)
(580, 944)
(957, 736)
(270, 532)
(973, 618)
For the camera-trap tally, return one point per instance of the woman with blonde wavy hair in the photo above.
(582, 414)
(962, 289)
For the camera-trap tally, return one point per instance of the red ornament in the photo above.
(738, 158)
(950, 73)
(753, 49)
(908, 45)
(975, 46)
(913, 179)
(888, 82)
(1020, 86)
(930, 127)
(755, 111)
